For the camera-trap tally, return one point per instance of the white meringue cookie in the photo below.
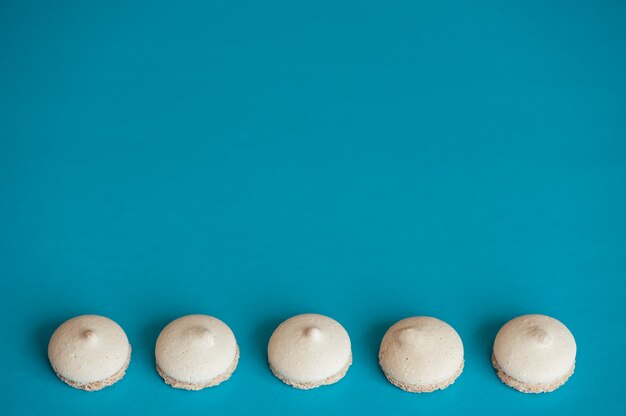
(89, 352)
(310, 350)
(196, 351)
(421, 354)
(534, 353)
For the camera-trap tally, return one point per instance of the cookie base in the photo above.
(177, 384)
(307, 386)
(525, 387)
(429, 388)
(100, 384)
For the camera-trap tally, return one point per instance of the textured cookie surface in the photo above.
(529, 388)
(421, 354)
(196, 351)
(89, 352)
(309, 350)
(536, 351)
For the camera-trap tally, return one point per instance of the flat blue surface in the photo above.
(365, 160)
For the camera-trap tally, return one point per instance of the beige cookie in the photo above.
(421, 354)
(534, 354)
(195, 352)
(89, 352)
(310, 350)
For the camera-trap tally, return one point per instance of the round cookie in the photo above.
(89, 352)
(534, 354)
(421, 354)
(310, 350)
(196, 351)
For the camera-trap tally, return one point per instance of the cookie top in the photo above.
(309, 348)
(195, 349)
(535, 349)
(88, 348)
(421, 351)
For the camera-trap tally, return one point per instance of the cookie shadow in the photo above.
(484, 338)
(373, 337)
(41, 338)
(144, 349)
(262, 334)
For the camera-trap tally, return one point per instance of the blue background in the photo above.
(365, 160)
